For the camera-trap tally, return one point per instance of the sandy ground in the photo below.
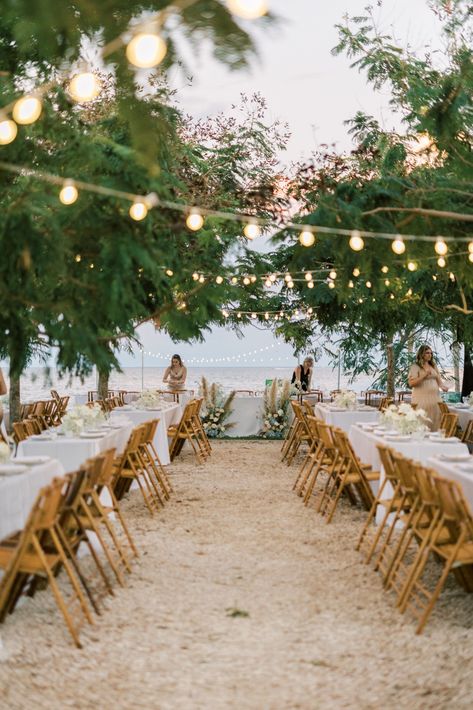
(242, 599)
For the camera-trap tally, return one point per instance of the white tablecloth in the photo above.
(246, 416)
(364, 444)
(347, 418)
(72, 452)
(168, 416)
(451, 470)
(18, 493)
(464, 415)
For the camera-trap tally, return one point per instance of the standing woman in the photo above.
(425, 380)
(303, 374)
(175, 375)
(3, 390)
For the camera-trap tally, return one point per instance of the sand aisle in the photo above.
(242, 599)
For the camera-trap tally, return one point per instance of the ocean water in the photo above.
(36, 384)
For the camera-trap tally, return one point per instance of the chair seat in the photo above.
(372, 475)
(30, 563)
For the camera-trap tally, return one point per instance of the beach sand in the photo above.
(242, 598)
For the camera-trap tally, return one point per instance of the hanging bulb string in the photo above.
(152, 200)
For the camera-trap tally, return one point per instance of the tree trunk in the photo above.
(467, 385)
(390, 391)
(103, 385)
(456, 351)
(14, 400)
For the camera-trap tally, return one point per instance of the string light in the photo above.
(246, 281)
(398, 245)
(268, 283)
(219, 279)
(368, 284)
(308, 276)
(8, 131)
(138, 210)
(273, 277)
(234, 280)
(69, 193)
(78, 258)
(441, 247)
(84, 87)
(306, 238)
(201, 279)
(351, 284)
(169, 272)
(310, 284)
(253, 279)
(194, 220)
(331, 284)
(146, 50)
(356, 242)
(27, 110)
(251, 231)
(290, 284)
(385, 269)
(195, 276)
(451, 276)
(412, 266)
(441, 262)
(387, 282)
(356, 271)
(248, 9)
(333, 274)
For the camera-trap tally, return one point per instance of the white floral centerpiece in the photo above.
(216, 409)
(346, 399)
(149, 399)
(405, 419)
(4, 452)
(276, 410)
(82, 417)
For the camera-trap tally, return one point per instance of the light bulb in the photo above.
(351, 284)
(8, 131)
(251, 230)
(84, 87)
(195, 276)
(253, 279)
(310, 284)
(451, 276)
(306, 238)
(138, 210)
(290, 284)
(194, 220)
(272, 277)
(234, 280)
(331, 284)
(385, 269)
(201, 279)
(387, 282)
(169, 272)
(441, 247)
(246, 281)
(333, 274)
(27, 110)
(470, 256)
(368, 284)
(146, 50)
(391, 296)
(266, 316)
(441, 262)
(248, 9)
(308, 276)
(253, 315)
(398, 246)
(219, 279)
(356, 242)
(356, 271)
(288, 277)
(412, 266)
(268, 283)
(69, 193)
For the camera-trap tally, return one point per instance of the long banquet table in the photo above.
(73, 451)
(461, 472)
(169, 415)
(18, 493)
(345, 418)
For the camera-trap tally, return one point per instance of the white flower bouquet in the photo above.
(345, 400)
(149, 399)
(4, 452)
(81, 418)
(404, 419)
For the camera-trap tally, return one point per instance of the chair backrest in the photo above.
(449, 423)
(384, 403)
(387, 461)
(373, 397)
(308, 408)
(443, 406)
(467, 436)
(456, 515)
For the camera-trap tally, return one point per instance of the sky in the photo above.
(311, 90)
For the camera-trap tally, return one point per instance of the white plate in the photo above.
(42, 437)
(461, 406)
(91, 435)
(31, 460)
(447, 440)
(364, 425)
(11, 469)
(456, 457)
(398, 437)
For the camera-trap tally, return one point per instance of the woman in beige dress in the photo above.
(425, 380)
(175, 375)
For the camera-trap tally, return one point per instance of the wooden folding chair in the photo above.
(25, 554)
(451, 543)
(151, 458)
(374, 397)
(199, 426)
(130, 467)
(291, 432)
(301, 433)
(325, 457)
(443, 406)
(449, 423)
(312, 455)
(467, 435)
(184, 431)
